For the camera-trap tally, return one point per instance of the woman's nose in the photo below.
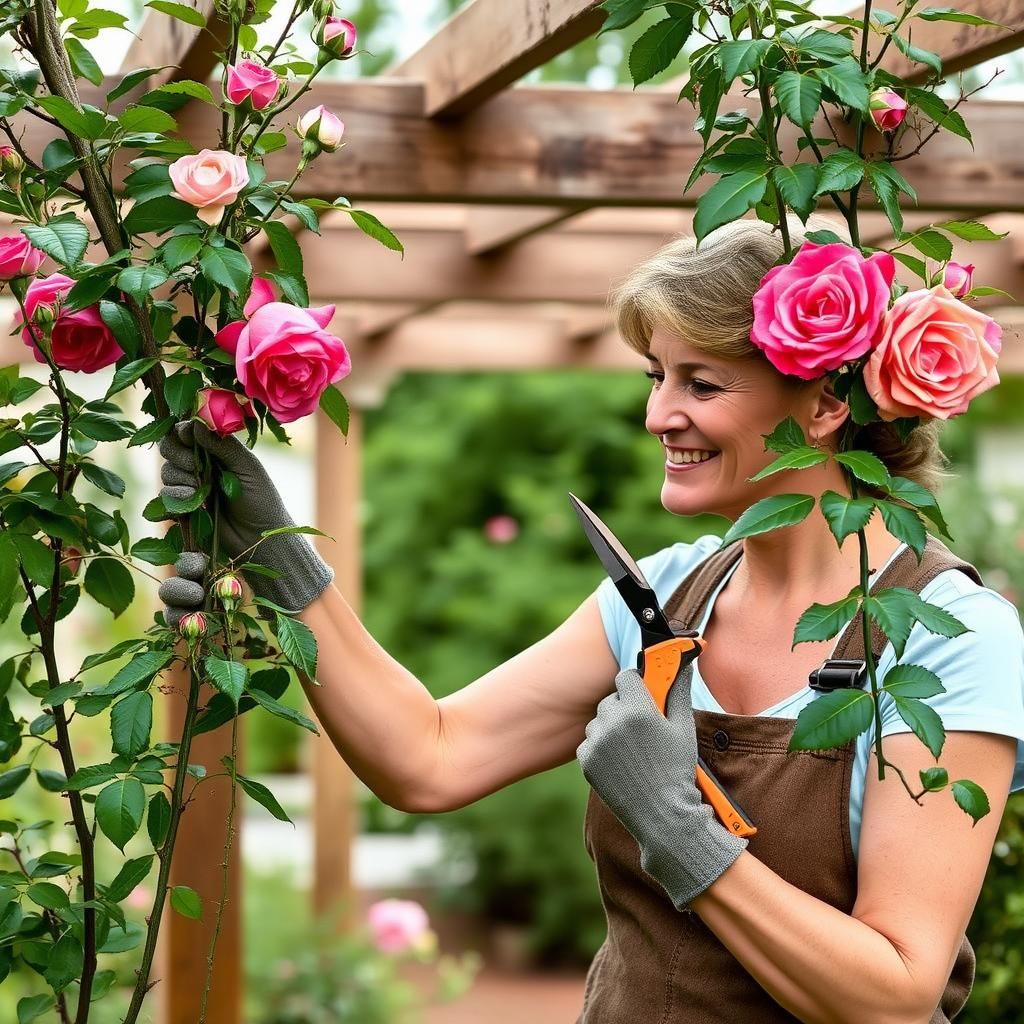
(665, 412)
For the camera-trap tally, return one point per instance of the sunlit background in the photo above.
(455, 585)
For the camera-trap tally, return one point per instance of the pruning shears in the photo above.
(664, 654)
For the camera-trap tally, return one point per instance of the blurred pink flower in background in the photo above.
(398, 926)
(501, 529)
(140, 898)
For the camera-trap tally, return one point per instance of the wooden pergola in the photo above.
(518, 207)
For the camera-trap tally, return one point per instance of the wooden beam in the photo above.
(165, 40)
(489, 228)
(489, 44)
(960, 46)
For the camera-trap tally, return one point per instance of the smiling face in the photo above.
(701, 403)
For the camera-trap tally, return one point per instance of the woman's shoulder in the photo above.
(666, 568)
(957, 592)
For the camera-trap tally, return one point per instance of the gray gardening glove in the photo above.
(643, 766)
(304, 574)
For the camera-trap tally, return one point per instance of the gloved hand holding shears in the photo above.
(640, 752)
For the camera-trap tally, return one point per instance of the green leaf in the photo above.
(176, 94)
(893, 608)
(917, 55)
(83, 62)
(938, 110)
(48, 896)
(133, 873)
(971, 798)
(370, 225)
(140, 669)
(121, 941)
(933, 244)
(819, 43)
(226, 267)
(87, 123)
(847, 81)
(971, 230)
(64, 240)
(936, 619)
(280, 710)
(799, 96)
(158, 819)
(824, 621)
(187, 14)
(298, 643)
(131, 80)
(186, 902)
(952, 14)
(125, 376)
(920, 497)
(865, 466)
(227, 676)
(905, 524)
(840, 172)
(786, 437)
(741, 56)
(832, 720)
(845, 515)
(92, 775)
(769, 514)
(155, 550)
(66, 962)
(108, 581)
(912, 681)
(659, 46)
(11, 780)
(32, 1007)
(798, 458)
(727, 200)
(120, 322)
(146, 119)
(140, 281)
(152, 431)
(180, 390)
(622, 13)
(920, 268)
(263, 797)
(924, 721)
(50, 780)
(934, 779)
(100, 427)
(178, 250)
(158, 215)
(797, 184)
(131, 720)
(119, 810)
(333, 402)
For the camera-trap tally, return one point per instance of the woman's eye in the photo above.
(704, 387)
(654, 378)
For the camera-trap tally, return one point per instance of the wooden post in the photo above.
(199, 853)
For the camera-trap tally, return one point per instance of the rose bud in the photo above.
(223, 411)
(337, 36)
(192, 626)
(323, 9)
(18, 257)
(321, 128)
(228, 590)
(252, 81)
(888, 108)
(11, 165)
(44, 314)
(958, 278)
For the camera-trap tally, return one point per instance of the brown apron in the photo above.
(660, 966)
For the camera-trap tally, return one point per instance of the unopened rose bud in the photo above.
(958, 278)
(228, 590)
(323, 9)
(192, 626)
(11, 163)
(44, 314)
(321, 128)
(336, 36)
(888, 108)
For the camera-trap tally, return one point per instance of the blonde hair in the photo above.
(704, 294)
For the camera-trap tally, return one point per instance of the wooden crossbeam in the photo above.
(163, 40)
(490, 44)
(489, 228)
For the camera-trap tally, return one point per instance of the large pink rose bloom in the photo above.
(209, 180)
(80, 341)
(18, 257)
(283, 354)
(934, 355)
(821, 310)
(252, 81)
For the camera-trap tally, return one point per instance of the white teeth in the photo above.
(681, 458)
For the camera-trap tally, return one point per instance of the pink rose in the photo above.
(337, 36)
(209, 180)
(252, 81)
(80, 340)
(18, 257)
(958, 278)
(321, 126)
(398, 925)
(888, 108)
(224, 412)
(284, 356)
(934, 355)
(821, 310)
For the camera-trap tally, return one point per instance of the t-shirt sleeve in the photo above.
(664, 570)
(982, 670)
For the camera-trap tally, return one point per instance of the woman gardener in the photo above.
(850, 903)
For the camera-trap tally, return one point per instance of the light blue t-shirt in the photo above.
(982, 670)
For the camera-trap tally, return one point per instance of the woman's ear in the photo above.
(828, 411)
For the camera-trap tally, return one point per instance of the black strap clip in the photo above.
(839, 674)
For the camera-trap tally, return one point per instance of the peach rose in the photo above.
(209, 180)
(935, 354)
(252, 81)
(822, 309)
(18, 257)
(224, 412)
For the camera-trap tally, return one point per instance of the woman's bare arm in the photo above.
(417, 754)
(919, 872)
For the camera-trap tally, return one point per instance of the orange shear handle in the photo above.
(663, 664)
